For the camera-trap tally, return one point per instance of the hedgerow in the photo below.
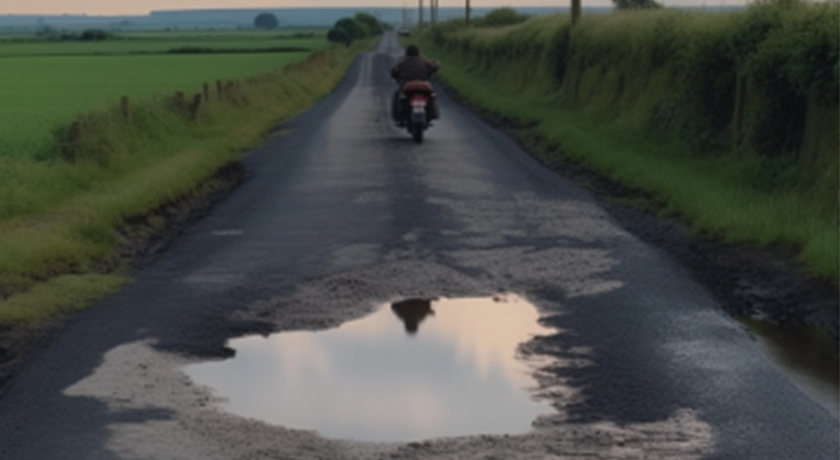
(754, 91)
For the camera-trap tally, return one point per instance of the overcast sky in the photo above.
(112, 7)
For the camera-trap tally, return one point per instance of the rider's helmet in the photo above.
(412, 50)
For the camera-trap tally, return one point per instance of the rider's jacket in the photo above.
(413, 68)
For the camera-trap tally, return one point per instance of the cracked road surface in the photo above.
(344, 213)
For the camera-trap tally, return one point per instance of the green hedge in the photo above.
(754, 90)
(763, 81)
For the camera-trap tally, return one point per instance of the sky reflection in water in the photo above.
(381, 378)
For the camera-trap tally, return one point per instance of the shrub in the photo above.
(787, 52)
(338, 36)
(500, 17)
(752, 95)
(557, 53)
(636, 4)
(439, 32)
(94, 35)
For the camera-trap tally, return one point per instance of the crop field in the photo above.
(45, 83)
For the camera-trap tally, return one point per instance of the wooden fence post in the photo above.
(179, 99)
(228, 89)
(206, 89)
(125, 109)
(196, 103)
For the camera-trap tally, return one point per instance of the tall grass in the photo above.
(730, 119)
(60, 218)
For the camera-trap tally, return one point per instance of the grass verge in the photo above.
(57, 249)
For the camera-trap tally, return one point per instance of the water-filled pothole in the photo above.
(806, 356)
(413, 370)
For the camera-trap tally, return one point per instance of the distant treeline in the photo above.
(199, 50)
(234, 18)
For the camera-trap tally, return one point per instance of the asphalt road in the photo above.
(342, 212)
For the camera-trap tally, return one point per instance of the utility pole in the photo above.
(575, 11)
(420, 22)
(467, 15)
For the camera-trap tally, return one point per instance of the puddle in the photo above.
(412, 370)
(805, 357)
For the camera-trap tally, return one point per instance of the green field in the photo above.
(40, 92)
(46, 83)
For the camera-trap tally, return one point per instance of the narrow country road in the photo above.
(343, 212)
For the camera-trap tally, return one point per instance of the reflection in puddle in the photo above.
(806, 357)
(417, 370)
(412, 312)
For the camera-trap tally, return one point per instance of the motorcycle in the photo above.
(418, 108)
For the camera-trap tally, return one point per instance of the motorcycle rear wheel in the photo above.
(417, 134)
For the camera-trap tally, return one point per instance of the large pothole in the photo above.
(806, 356)
(414, 369)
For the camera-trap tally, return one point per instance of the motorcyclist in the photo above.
(412, 66)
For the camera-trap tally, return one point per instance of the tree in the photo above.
(499, 17)
(369, 21)
(337, 36)
(636, 4)
(351, 28)
(266, 21)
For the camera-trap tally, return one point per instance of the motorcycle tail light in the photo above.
(418, 101)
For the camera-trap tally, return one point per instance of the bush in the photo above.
(756, 80)
(94, 35)
(505, 16)
(794, 40)
(438, 33)
(787, 52)
(748, 97)
(338, 36)
(558, 52)
(636, 4)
